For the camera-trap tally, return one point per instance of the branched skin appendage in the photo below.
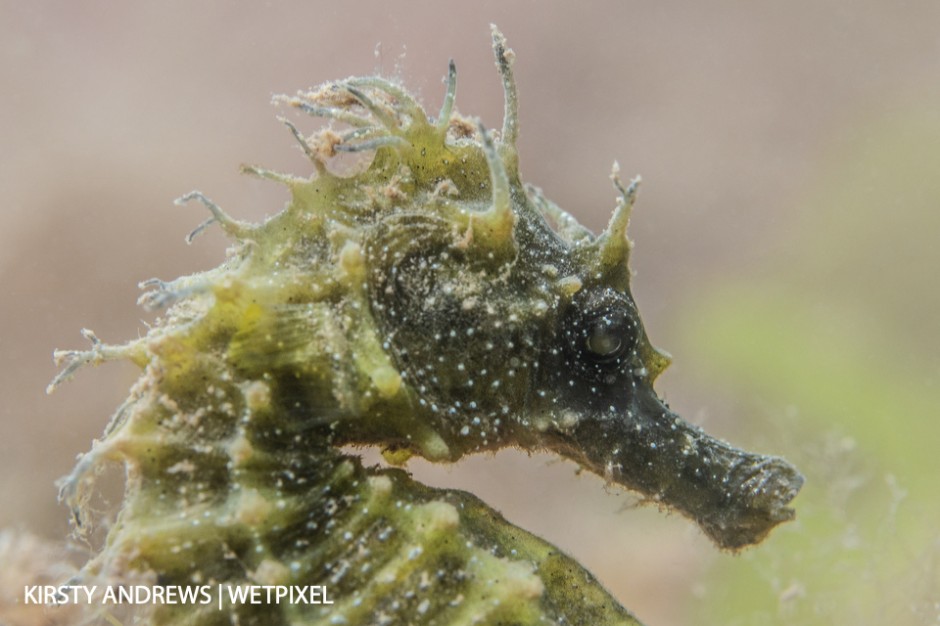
(431, 304)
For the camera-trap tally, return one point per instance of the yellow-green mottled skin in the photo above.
(430, 304)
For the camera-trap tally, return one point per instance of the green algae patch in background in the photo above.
(843, 356)
(429, 303)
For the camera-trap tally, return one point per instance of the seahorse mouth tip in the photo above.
(762, 497)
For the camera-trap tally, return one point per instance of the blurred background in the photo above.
(787, 249)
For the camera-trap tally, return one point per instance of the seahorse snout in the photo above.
(761, 487)
(736, 497)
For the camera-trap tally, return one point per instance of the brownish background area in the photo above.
(733, 112)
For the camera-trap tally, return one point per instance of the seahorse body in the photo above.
(430, 304)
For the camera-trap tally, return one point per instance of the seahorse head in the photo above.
(502, 321)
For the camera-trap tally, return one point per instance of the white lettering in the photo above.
(238, 595)
(263, 594)
(318, 595)
(29, 594)
(89, 592)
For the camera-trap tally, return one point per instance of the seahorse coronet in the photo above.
(429, 303)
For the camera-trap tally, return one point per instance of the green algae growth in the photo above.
(431, 304)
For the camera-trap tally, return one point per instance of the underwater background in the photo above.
(787, 250)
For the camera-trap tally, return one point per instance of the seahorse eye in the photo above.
(600, 330)
(608, 336)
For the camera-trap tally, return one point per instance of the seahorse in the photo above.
(429, 303)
